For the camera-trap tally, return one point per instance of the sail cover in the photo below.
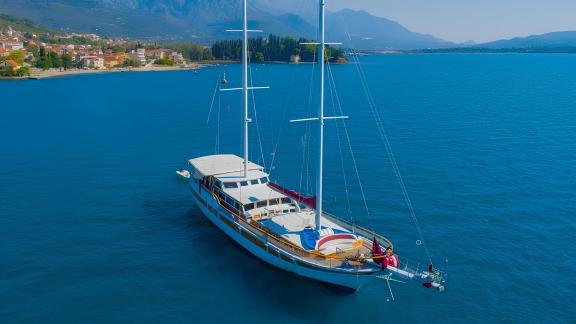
(309, 201)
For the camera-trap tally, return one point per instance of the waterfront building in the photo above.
(92, 62)
(295, 58)
(140, 56)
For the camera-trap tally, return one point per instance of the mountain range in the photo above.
(205, 21)
(548, 40)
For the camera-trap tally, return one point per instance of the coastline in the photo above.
(41, 74)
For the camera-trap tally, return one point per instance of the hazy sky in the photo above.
(477, 20)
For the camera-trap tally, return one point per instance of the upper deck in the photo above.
(251, 197)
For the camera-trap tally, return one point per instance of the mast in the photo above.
(245, 83)
(245, 87)
(320, 166)
(321, 118)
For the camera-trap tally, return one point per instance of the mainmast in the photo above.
(245, 83)
(320, 167)
(321, 118)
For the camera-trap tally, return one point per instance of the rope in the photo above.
(305, 147)
(212, 101)
(340, 150)
(339, 105)
(386, 141)
(256, 118)
(217, 141)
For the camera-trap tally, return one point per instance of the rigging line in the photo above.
(335, 112)
(339, 105)
(278, 140)
(385, 138)
(275, 148)
(212, 101)
(305, 147)
(217, 141)
(388, 146)
(256, 118)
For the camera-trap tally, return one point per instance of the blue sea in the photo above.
(95, 226)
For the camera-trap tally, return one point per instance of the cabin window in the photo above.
(230, 185)
(249, 206)
(254, 182)
(236, 205)
(261, 204)
(272, 202)
(263, 180)
(218, 184)
(230, 201)
(286, 200)
(292, 210)
(244, 183)
(221, 196)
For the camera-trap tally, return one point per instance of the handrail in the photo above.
(366, 231)
(268, 234)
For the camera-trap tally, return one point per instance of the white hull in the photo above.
(271, 254)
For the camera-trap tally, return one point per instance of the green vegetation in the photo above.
(164, 61)
(18, 58)
(274, 49)
(131, 63)
(23, 25)
(75, 40)
(192, 52)
(52, 60)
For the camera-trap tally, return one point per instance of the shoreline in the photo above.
(40, 74)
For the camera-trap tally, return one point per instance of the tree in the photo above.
(55, 59)
(131, 63)
(23, 71)
(274, 48)
(66, 60)
(259, 57)
(164, 61)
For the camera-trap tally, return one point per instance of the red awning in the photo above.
(309, 201)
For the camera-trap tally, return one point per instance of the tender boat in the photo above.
(183, 173)
(284, 228)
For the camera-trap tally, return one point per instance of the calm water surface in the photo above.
(96, 227)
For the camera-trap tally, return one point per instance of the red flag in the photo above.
(377, 251)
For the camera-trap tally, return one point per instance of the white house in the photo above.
(140, 56)
(92, 62)
(12, 46)
(177, 58)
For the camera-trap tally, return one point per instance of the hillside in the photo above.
(24, 25)
(206, 20)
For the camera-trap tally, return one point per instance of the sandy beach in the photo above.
(41, 74)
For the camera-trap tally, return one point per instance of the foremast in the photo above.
(245, 87)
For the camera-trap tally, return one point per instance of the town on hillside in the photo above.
(37, 54)
(23, 53)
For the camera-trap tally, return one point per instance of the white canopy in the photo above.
(221, 164)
